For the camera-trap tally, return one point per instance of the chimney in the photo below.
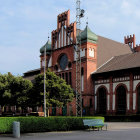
(130, 40)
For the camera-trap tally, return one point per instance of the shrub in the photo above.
(41, 124)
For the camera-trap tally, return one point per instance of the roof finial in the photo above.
(87, 21)
(48, 37)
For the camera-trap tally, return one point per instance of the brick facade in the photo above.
(61, 44)
(94, 56)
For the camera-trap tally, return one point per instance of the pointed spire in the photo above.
(48, 42)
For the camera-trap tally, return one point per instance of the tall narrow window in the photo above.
(60, 75)
(56, 44)
(91, 52)
(62, 29)
(70, 82)
(63, 75)
(66, 77)
(82, 79)
(59, 40)
(64, 37)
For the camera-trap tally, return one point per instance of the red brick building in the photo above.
(110, 71)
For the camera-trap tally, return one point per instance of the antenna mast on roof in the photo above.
(79, 15)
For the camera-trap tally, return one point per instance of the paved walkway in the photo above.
(116, 131)
(113, 126)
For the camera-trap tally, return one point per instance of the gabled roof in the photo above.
(131, 60)
(30, 75)
(107, 48)
(33, 71)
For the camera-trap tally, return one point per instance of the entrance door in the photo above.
(121, 100)
(101, 101)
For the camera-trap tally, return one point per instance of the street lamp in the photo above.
(45, 80)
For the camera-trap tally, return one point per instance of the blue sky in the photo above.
(25, 25)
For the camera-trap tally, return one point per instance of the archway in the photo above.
(138, 99)
(121, 100)
(101, 101)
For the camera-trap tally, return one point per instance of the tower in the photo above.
(88, 65)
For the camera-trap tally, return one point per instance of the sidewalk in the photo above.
(116, 131)
(122, 125)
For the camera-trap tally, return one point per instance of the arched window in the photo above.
(101, 101)
(121, 100)
(63, 61)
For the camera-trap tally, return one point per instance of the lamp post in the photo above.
(45, 81)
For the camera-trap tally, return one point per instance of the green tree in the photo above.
(14, 90)
(58, 93)
(4, 90)
(22, 93)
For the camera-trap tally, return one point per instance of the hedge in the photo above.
(123, 118)
(41, 124)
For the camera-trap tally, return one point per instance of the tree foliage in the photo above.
(14, 90)
(58, 93)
